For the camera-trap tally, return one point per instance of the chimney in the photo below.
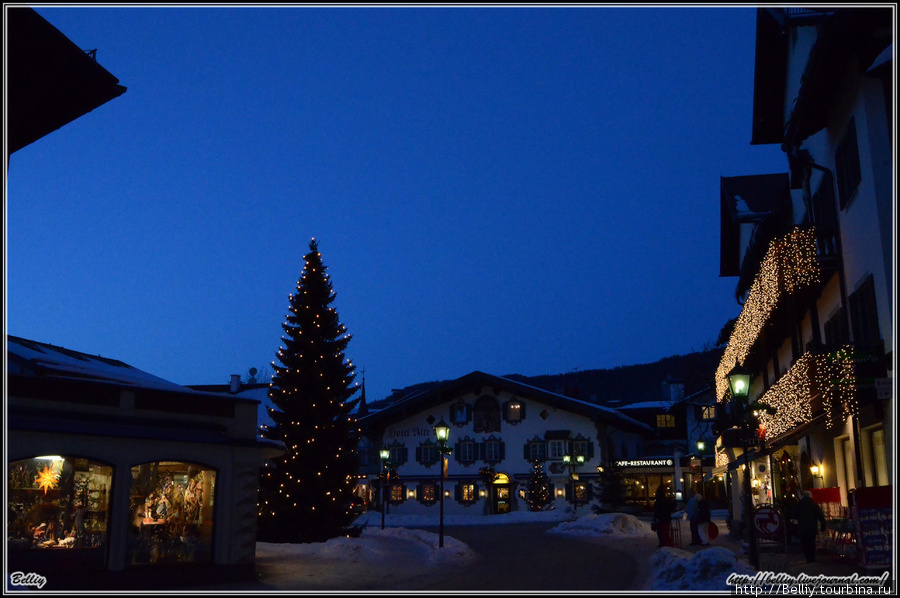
(235, 383)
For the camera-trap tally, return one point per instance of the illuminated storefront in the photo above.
(118, 471)
(642, 477)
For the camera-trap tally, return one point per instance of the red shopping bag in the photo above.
(713, 531)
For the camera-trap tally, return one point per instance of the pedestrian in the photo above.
(691, 511)
(704, 517)
(809, 516)
(662, 516)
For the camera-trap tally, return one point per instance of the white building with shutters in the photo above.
(499, 429)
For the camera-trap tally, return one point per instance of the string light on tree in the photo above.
(307, 488)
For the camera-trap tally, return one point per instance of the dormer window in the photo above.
(460, 413)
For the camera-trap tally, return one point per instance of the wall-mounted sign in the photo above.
(646, 463)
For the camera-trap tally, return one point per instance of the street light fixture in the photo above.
(573, 463)
(385, 478)
(739, 384)
(700, 447)
(442, 431)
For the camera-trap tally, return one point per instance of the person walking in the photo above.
(703, 520)
(809, 516)
(662, 516)
(691, 511)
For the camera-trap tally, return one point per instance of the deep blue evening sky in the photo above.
(512, 190)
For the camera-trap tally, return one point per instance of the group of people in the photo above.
(807, 513)
(697, 511)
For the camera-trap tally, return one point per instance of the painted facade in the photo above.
(498, 430)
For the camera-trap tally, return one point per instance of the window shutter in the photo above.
(502, 451)
(457, 492)
(569, 491)
(457, 453)
(528, 452)
(522, 409)
(479, 451)
(403, 494)
(420, 494)
(404, 455)
(418, 454)
(590, 449)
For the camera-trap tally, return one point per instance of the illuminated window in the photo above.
(397, 494)
(708, 412)
(467, 492)
(59, 502)
(665, 421)
(580, 493)
(515, 411)
(172, 512)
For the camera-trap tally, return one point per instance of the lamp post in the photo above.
(739, 383)
(385, 477)
(700, 446)
(573, 463)
(442, 431)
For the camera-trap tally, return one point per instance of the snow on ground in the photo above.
(377, 557)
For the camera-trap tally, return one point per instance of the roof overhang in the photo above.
(51, 81)
(476, 381)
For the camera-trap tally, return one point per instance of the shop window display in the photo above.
(57, 502)
(172, 513)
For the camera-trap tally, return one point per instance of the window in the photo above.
(864, 315)
(556, 449)
(466, 492)
(427, 493)
(172, 509)
(486, 415)
(847, 165)
(535, 450)
(665, 421)
(493, 450)
(399, 454)
(398, 493)
(459, 413)
(583, 446)
(465, 451)
(708, 412)
(427, 453)
(580, 492)
(514, 411)
(56, 502)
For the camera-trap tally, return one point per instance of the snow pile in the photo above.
(607, 524)
(674, 569)
(425, 543)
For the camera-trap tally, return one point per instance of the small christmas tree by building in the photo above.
(306, 492)
(539, 495)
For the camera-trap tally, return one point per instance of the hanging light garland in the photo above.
(790, 265)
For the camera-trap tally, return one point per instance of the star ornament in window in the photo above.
(47, 478)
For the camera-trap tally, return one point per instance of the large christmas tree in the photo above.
(305, 493)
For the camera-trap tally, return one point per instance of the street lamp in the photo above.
(739, 383)
(700, 446)
(385, 477)
(573, 464)
(442, 431)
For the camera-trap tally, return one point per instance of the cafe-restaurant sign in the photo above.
(645, 463)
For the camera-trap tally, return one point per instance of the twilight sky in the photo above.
(523, 190)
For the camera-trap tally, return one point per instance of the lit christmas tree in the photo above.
(539, 495)
(305, 494)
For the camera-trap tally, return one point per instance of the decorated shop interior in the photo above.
(113, 470)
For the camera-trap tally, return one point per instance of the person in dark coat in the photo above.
(662, 516)
(809, 517)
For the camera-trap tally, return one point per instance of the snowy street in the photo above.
(594, 552)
